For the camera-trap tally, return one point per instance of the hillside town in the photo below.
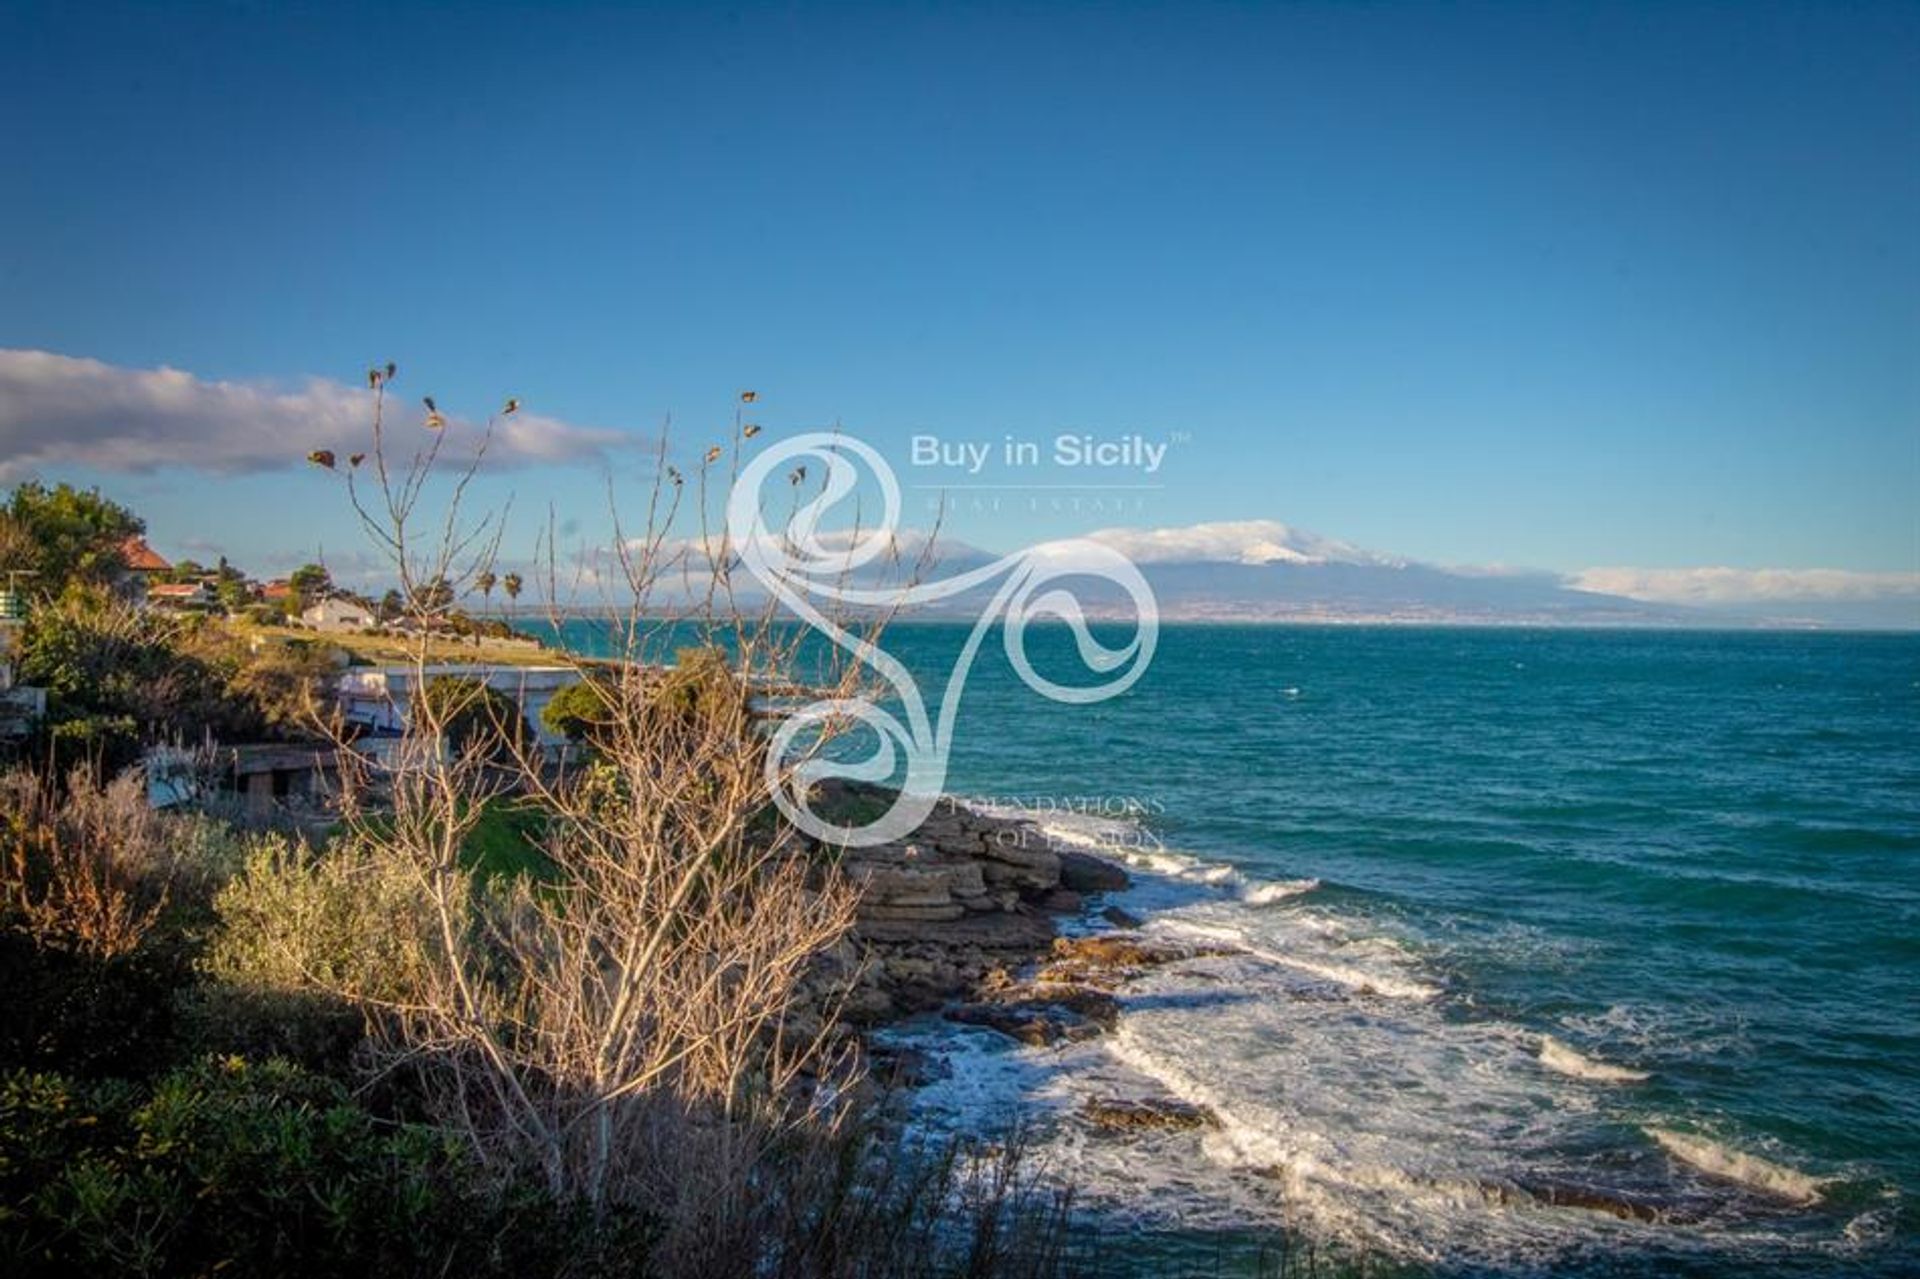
(307, 662)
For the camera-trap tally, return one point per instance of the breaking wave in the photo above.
(1555, 1055)
(1728, 1164)
(1128, 841)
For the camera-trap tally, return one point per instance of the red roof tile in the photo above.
(142, 558)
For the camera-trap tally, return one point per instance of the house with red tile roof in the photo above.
(144, 567)
(141, 558)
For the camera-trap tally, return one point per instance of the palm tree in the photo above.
(483, 581)
(513, 584)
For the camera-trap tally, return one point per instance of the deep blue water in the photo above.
(1540, 854)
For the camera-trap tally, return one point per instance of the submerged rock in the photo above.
(1614, 1203)
(1133, 1115)
(1063, 901)
(1109, 959)
(897, 1067)
(1085, 873)
(1036, 1025)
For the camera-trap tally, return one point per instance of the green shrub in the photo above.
(473, 716)
(702, 687)
(288, 686)
(293, 926)
(259, 1169)
(87, 1015)
(577, 710)
(119, 678)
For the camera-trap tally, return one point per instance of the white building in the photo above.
(189, 596)
(377, 698)
(20, 706)
(338, 615)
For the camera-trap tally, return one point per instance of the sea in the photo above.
(1547, 951)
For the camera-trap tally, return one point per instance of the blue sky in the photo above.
(1549, 285)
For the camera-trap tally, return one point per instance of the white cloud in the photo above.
(56, 410)
(1235, 542)
(1709, 586)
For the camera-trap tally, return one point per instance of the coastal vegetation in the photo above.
(495, 1016)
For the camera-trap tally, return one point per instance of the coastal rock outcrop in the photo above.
(965, 896)
(1040, 1012)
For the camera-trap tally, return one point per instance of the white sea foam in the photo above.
(1354, 1100)
(1699, 1032)
(1393, 1128)
(1126, 840)
(1258, 894)
(1360, 979)
(1555, 1055)
(1728, 1164)
(1389, 981)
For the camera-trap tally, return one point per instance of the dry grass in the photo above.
(88, 868)
(402, 650)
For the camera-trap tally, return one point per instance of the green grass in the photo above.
(505, 841)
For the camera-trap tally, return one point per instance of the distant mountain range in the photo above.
(1265, 571)
(1340, 592)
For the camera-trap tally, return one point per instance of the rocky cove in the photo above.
(985, 921)
(963, 918)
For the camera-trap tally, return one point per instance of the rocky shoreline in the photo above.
(962, 918)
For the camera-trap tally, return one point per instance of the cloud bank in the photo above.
(1718, 586)
(56, 410)
(1271, 542)
(1235, 542)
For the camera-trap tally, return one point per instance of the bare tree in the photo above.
(624, 1018)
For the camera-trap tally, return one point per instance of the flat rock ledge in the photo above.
(946, 912)
(949, 914)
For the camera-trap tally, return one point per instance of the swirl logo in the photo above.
(803, 563)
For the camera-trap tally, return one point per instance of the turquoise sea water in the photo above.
(1525, 918)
